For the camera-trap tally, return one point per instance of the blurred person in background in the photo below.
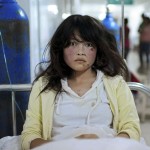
(144, 41)
(126, 36)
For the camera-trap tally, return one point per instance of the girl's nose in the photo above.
(81, 49)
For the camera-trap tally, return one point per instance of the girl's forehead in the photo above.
(77, 36)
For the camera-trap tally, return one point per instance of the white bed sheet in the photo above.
(13, 143)
(10, 143)
(95, 144)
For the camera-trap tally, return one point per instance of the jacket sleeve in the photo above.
(128, 121)
(32, 126)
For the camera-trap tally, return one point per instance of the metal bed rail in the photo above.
(15, 88)
(27, 87)
(139, 87)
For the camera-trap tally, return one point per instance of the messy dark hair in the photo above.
(108, 59)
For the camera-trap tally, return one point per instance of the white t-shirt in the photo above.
(75, 115)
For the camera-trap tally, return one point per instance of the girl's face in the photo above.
(80, 55)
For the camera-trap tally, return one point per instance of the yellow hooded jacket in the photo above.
(39, 115)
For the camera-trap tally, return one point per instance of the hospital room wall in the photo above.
(41, 27)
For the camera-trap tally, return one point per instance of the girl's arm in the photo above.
(129, 124)
(32, 126)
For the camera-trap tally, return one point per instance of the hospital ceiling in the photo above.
(94, 7)
(135, 2)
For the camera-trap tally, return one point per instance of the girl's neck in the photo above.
(80, 83)
(82, 76)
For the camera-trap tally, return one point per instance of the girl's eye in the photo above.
(73, 43)
(88, 44)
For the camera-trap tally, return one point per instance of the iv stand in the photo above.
(123, 32)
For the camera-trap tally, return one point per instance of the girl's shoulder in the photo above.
(114, 82)
(40, 82)
(115, 79)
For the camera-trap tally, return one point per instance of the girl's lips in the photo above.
(82, 60)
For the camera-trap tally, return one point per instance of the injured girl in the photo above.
(82, 94)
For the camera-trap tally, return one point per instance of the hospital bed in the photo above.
(13, 142)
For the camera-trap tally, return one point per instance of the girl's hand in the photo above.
(38, 142)
(124, 135)
(88, 136)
